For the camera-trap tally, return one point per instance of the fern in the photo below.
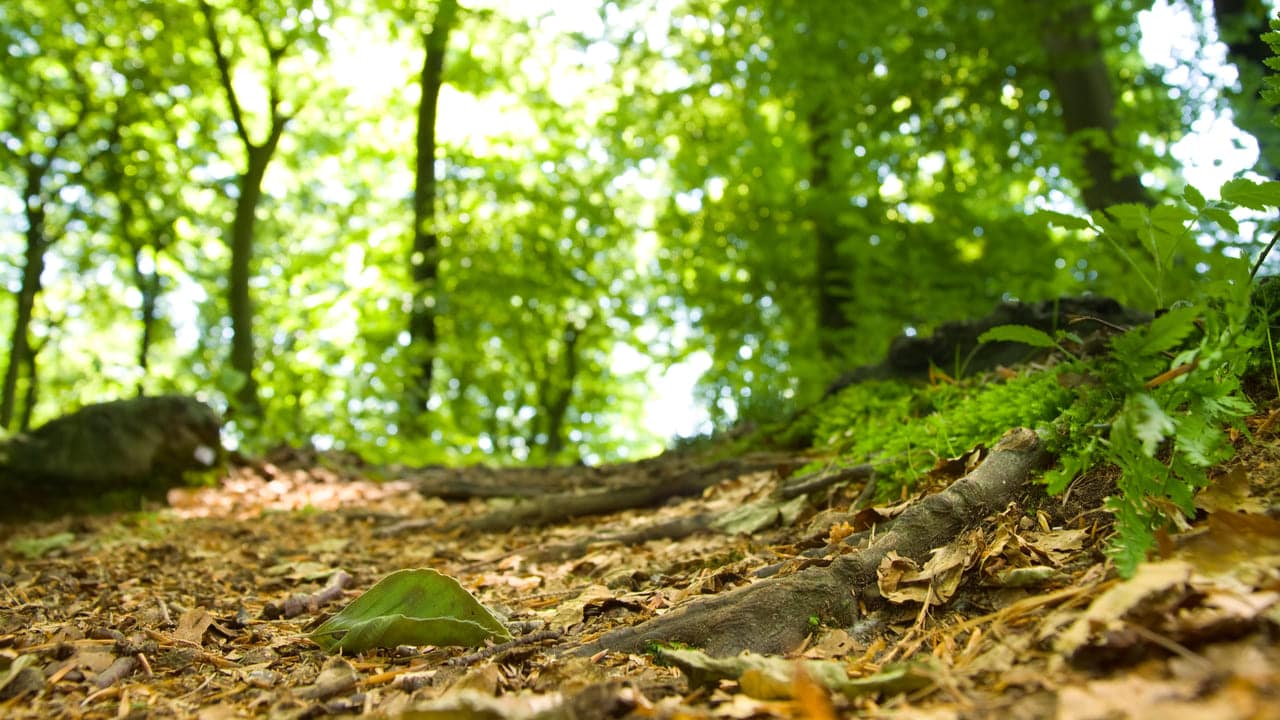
(1167, 390)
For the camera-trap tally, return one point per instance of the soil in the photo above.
(720, 588)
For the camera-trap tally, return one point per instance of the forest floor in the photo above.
(201, 609)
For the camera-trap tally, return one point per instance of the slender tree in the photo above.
(46, 127)
(144, 229)
(35, 167)
(424, 260)
(276, 43)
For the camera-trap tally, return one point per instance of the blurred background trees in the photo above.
(440, 230)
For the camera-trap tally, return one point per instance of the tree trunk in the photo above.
(1079, 75)
(424, 259)
(20, 342)
(239, 301)
(258, 156)
(148, 283)
(832, 271)
(1240, 25)
(556, 401)
(33, 387)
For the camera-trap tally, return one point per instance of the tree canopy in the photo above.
(442, 230)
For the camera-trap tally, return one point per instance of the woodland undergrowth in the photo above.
(1162, 404)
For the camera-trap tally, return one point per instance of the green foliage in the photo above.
(906, 428)
(941, 146)
(1019, 334)
(1156, 406)
(1159, 246)
(1251, 194)
(665, 201)
(1164, 394)
(1271, 83)
(34, 547)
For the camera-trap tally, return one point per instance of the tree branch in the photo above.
(224, 73)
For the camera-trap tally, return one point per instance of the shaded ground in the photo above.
(200, 610)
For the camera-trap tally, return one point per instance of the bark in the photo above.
(149, 285)
(1078, 71)
(772, 616)
(424, 260)
(476, 481)
(832, 269)
(33, 266)
(239, 300)
(653, 484)
(1240, 25)
(258, 157)
(556, 398)
(682, 527)
(675, 529)
(33, 387)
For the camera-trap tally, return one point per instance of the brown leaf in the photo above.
(192, 626)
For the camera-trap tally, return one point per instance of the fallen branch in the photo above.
(655, 484)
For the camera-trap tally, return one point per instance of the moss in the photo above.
(906, 428)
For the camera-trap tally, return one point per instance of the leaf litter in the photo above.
(207, 609)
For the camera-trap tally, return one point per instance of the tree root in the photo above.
(773, 616)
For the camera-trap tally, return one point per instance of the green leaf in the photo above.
(1165, 332)
(1151, 424)
(1253, 195)
(410, 607)
(1171, 216)
(1193, 197)
(1133, 535)
(1130, 216)
(1063, 220)
(1018, 333)
(1199, 440)
(1223, 218)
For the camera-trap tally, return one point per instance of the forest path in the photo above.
(200, 610)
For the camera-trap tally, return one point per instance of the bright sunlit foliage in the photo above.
(764, 192)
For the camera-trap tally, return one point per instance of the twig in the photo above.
(1168, 375)
(491, 651)
(1261, 258)
(296, 605)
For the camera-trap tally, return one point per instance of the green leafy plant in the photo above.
(1019, 334)
(1160, 245)
(1156, 406)
(1166, 391)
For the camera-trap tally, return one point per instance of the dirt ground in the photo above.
(202, 609)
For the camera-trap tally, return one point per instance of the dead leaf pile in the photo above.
(207, 609)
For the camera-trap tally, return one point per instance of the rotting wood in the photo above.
(653, 488)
